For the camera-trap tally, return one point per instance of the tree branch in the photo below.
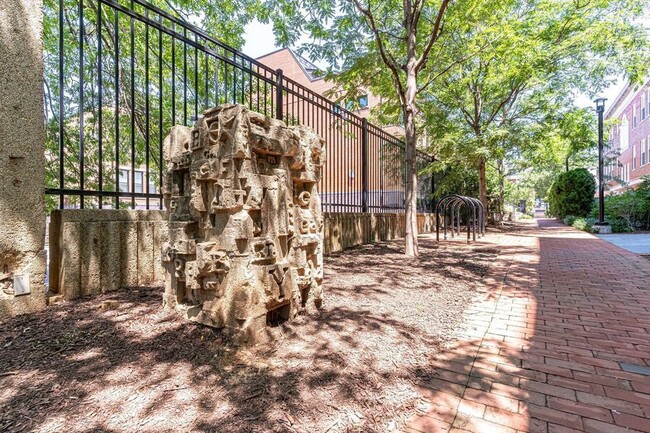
(434, 35)
(386, 56)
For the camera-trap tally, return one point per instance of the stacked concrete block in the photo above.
(97, 251)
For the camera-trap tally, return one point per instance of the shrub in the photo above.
(584, 224)
(619, 225)
(569, 219)
(629, 210)
(572, 193)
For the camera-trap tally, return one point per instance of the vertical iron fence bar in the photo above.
(250, 87)
(364, 162)
(184, 76)
(337, 143)
(243, 83)
(257, 82)
(196, 79)
(225, 83)
(145, 178)
(206, 100)
(61, 106)
(116, 61)
(279, 84)
(81, 102)
(173, 76)
(265, 96)
(132, 54)
(234, 81)
(160, 113)
(101, 102)
(216, 80)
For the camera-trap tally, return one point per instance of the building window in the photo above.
(152, 186)
(138, 181)
(357, 104)
(643, 161)
(124, 181)
(337, 110)
(643, 107)
(634, 116)
(625, 134)
(363, 101)
(634, 157)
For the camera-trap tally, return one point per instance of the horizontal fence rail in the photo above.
(120, 73)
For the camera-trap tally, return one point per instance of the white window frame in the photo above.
(624, 137)
(140, 174)
(125, 173)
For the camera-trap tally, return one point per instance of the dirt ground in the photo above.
(351, 367)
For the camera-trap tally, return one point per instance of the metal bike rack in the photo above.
(451, 206)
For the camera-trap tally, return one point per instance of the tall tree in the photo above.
(539, 53)
(376, 43)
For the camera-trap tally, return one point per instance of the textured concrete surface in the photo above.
(635, 242)
(556, 341)
(245, 248)
(97, 251)
(22, 160)
(345, 230)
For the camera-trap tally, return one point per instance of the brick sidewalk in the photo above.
(559, 342)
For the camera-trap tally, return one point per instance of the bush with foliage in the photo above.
(572, 193)
(569, 219)
(628, 211)
(584, 224)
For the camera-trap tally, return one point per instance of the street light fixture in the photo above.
(603, 227)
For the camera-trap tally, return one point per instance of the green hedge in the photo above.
(572, 193)
(628, 211)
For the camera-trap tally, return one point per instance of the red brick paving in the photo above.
(561, 309)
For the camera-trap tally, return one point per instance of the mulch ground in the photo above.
(352, 366)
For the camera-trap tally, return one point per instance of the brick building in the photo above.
(629, 138)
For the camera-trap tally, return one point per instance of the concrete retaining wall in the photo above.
(22, 158)
(96, 251)
(345, 230)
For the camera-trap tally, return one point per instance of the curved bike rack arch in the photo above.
(451, 206)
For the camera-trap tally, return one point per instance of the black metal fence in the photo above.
(120, 73)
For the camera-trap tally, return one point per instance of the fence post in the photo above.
(279, 84)
(433, 189)
(364, 165)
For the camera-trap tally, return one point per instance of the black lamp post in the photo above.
(600, 109)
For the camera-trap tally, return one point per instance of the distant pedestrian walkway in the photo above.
(558, 342)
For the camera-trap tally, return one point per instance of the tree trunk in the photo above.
(482, 186)
(502, 193)
(411, 232)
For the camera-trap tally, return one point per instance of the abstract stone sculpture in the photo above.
(245, 224)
